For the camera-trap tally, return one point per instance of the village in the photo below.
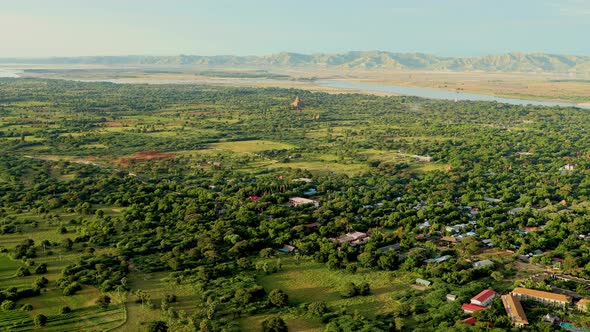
(453, 235)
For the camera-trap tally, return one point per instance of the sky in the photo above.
(41, 28)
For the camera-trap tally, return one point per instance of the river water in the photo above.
(438, 94)
(10, 73)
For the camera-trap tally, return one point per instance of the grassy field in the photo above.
(294, 323)
(86, 319)
(306, 281)
(8, 267)
(157, 288)
(251, 146)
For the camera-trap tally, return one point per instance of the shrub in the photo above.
(278, 298)
(26, 307)
(65, 310)
(8, 305)
(103, 301)
(23, 272)
(41, 268)
(317, 308)
(274, 324)
(157, 326)
(40, 320)
(350, 290)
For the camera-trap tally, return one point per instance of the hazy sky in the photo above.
(256, 27)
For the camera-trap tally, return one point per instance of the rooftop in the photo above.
(514, 309)
(484, 295)
(472, 307)
(541, 294)
(470, 321)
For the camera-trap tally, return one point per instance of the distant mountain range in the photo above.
(511, 62)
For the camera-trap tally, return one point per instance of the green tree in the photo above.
(8, 305)
(274, 324)
(103, 301)
(317, 308)
(157, 326)
(278, 298)
(40, 320)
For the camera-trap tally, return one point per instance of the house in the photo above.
(582, 305)
(297, 201)
(487, 242)
(313, 225)
(310, 192)
(423, 282)
(514, 310)
(353, 238)
(542, 296)
(484, 298)
(492, 200)
(424, 158)
(551, 319)
(482, 264)
(473, 212)
(568, 167)
(470, 321)
(451, 297)
(253, 198)
(438, 259)
(306, 180)
(531, 229)
(557, 262)
(287, 248)
(423, 225)
(515, 210)
(471, 308)
(394, 247)
(449, 239)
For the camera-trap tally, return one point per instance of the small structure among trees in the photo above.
(298, 103)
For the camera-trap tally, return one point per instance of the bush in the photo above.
(26, 307)
(364, 289)
(317, 308)
(40, 320)
(278, 298)
(350, 290)
(41, 268)
(103, 301)
(23, 272)
(8, 305)
(274, 324)
(65, 310)
(157, 326)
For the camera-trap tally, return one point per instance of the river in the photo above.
(438, 94)
(10, 73)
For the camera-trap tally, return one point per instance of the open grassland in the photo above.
(157, 287)
(251, 146)
(8, 267)
(306, 281)
(294, 323)
(88, 319)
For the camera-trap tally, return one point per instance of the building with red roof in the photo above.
(471, 308)
(484, 298)
(470, 321)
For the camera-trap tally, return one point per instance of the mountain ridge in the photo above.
(352, 60)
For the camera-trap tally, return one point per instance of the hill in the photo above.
(355, 60)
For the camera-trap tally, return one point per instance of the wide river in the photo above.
(10, 73)
(438, 94)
